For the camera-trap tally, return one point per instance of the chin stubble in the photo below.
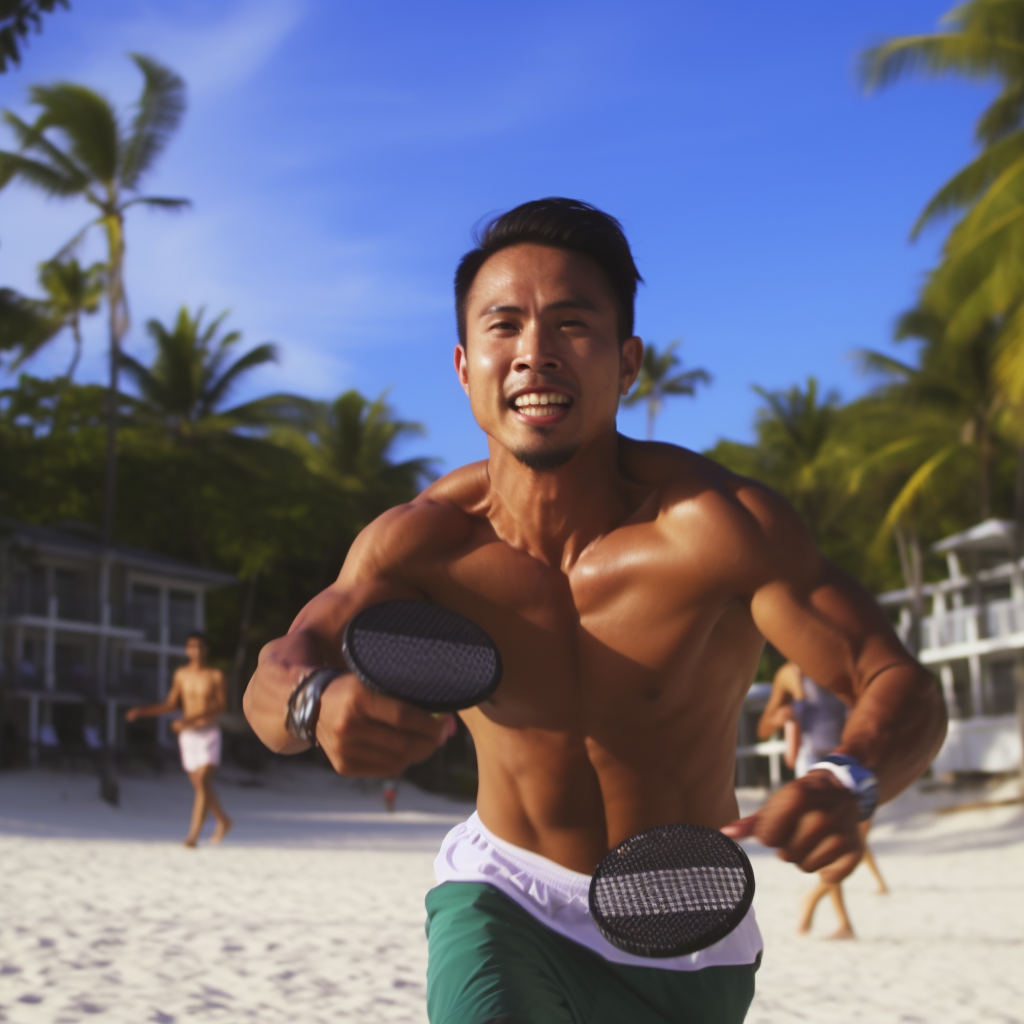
(551, 458)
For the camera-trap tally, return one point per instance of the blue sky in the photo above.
(339, 153)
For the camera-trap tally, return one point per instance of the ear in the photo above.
(462, 367)
(630, 360)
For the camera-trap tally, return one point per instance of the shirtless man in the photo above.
(629, 587)
(199, 690)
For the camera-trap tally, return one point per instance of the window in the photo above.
(182, 608)
(1001, 692)
(72, 601)
(144, 613)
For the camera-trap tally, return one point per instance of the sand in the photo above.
(312, 910)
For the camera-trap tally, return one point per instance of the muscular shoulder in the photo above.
(738, 523)
(430, 527)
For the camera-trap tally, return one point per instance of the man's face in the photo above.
(195, 648)
(542, 365)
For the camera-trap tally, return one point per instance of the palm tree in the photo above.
(79, 148)
(23, 324)
(183, 393)
(19, 16)
(349, 443)
(654, 384)
(945, 413)
(980, 282)
(72, 291)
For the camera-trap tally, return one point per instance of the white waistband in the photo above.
(558, 898)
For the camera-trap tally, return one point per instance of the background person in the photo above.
(812, 721)
(200, 692)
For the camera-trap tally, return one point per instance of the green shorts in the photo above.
(489, 960)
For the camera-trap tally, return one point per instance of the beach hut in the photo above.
(972, 637)
(86, 630)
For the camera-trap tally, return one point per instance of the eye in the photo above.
(503, 325)
(571, 323)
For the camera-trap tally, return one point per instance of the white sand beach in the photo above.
(312, 909)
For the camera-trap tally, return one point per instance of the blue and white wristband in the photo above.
(860, 781)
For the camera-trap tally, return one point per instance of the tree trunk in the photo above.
(76, 330)
(908, 544)
(118, 318)
(985, 466)
(1018, 499)
(238, 662)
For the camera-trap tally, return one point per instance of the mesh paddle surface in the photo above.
(424, 654)
(671, 890)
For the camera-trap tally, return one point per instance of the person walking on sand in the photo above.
(812, 721)
(199, 690)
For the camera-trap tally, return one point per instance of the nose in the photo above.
(537, 350)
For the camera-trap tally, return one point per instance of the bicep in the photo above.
(827, 623)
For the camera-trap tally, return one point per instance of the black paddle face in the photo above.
(671, 890)
(423, 654)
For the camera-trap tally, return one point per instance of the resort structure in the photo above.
(971, 634)
(86, 630)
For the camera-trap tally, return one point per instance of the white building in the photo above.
(972, 637)
(85, 631)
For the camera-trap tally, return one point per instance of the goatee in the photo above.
(547, 459)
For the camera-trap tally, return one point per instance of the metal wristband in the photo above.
(860, 781)
(304, 703)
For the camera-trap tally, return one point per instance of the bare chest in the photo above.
(635, 632)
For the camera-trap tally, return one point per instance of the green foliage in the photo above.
(17, 19)
(656, 381)
(979, 284)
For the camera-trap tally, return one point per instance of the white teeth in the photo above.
(539, 399)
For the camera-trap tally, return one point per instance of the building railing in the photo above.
(994, 620)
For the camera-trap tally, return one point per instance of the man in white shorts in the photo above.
(199, 690)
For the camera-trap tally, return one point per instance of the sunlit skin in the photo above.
(629, 587)
(199, 691)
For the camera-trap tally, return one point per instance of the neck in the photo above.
(555, 514)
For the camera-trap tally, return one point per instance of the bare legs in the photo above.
(835, 891)
(206, 802)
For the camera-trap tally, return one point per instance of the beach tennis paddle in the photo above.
(671, 890)
(423, 654)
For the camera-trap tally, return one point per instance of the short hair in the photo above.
(562, 224)
(197, 634)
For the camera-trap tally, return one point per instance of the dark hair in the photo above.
(561, 224)
(197, 634)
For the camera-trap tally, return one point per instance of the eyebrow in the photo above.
(573, 303)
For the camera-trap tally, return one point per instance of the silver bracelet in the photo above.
(304, 703)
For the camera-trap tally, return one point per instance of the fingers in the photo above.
(812, 822)
(741, 828)
(366, 733)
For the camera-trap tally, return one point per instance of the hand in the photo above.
(813, 822)
(131, 715)
(365, 733)
(178, 725)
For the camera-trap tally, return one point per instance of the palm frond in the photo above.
(258, 356)
(967, 186)
(919, 480)
(50, 180)
(160, 109)
(159, 202)
(88, 123)
(31, 138)
(1003, 115)
(971, 54)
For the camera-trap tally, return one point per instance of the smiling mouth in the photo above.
(541, 404)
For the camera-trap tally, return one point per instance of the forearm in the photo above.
(896, 726)
(153, 710)
(282, 663)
